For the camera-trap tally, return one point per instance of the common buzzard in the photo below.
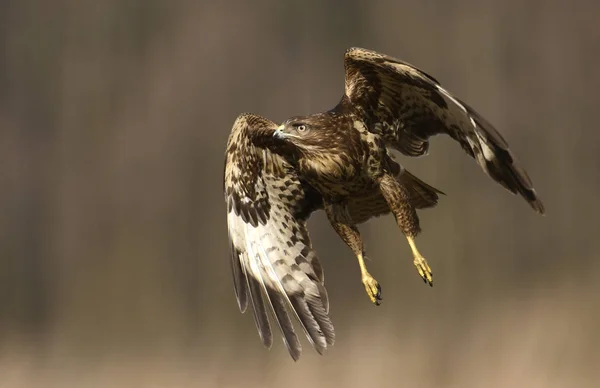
(339, 161)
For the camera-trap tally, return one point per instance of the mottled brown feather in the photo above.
(372, 204)
(407, 106)
(273, 263)
(277, 176)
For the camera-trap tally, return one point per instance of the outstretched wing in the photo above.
(407, 106)
(274, 265)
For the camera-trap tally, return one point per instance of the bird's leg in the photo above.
(351, 236)
(397, 197)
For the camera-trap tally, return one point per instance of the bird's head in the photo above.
(302, 134)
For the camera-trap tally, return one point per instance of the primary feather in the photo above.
(273, 263)
(338, 161)
(407, 106)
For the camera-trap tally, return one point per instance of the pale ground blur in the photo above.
(114, 268)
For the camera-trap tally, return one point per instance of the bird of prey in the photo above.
(339, 161)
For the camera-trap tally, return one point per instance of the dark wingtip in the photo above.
(538, 206)
(295, 353)
(532, 199)
(505, 170)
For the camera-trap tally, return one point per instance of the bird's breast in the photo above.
(337, 174)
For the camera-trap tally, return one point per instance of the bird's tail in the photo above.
(422, 195)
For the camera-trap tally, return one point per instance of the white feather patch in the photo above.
(258, 243)
(488, 153)
(454, 100)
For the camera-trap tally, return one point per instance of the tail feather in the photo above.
(422, 195)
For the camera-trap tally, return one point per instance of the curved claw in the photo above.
(424, 270)
(373, 289)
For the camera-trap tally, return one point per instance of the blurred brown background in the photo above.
(114, 268)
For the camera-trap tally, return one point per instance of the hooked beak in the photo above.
(279, 134)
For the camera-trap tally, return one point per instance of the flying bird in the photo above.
(339, 161)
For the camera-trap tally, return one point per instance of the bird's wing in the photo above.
(274, 265)
(407, 106)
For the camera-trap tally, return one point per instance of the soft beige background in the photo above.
(114, 268)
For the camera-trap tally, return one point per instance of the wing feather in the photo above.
(407, 106)
(274, 265)
(255, 283)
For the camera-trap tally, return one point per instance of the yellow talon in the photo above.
(424, 270)
(420, 263)
(372, 288)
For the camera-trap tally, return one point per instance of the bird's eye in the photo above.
(301, 128)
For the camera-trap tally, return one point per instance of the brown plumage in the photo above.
(338, 161)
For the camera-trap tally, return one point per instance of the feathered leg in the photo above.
(351, 236)
(397, 197)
